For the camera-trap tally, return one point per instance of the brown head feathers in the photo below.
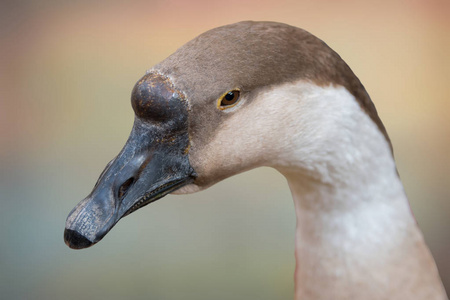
(250, 55)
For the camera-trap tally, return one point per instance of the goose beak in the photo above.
(153, 163)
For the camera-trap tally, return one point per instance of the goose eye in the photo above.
(229, 99)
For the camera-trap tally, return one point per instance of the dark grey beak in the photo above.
(153, 163)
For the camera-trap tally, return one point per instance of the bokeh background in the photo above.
(67, 69)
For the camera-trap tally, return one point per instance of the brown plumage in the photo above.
(250, 55)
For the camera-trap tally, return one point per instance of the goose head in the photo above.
(221, 104)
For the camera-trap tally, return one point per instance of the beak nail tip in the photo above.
(75, 240)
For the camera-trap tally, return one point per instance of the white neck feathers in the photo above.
(356, 236)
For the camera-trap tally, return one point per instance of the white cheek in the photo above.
(297, 126)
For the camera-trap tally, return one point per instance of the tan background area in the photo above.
(66, 73)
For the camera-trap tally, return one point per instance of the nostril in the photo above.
(125, 187)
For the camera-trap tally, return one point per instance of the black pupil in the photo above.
(229, 96)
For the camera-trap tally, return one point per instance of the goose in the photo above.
(254, 94)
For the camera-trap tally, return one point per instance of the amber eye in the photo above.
(229, 99)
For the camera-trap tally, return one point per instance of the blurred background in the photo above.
(66, 73)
